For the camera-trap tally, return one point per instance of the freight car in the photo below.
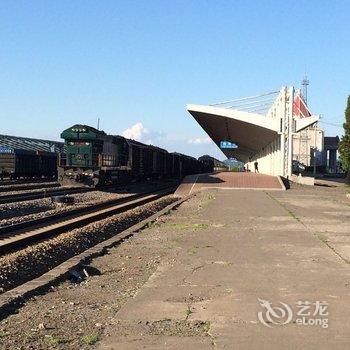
(211, 164)
(17, 163)
(93, 158)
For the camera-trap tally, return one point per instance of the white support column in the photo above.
(290, 130)
(287, 131)
(283, 157)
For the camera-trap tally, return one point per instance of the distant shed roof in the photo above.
(29, 144)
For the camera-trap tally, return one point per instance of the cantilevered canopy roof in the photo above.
(249, 131)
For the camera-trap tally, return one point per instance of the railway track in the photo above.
(23, 234)
(7, 182)
(20, 197)
(23, 187)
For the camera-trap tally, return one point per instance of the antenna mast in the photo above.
(305, 82)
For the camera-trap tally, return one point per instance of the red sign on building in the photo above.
(299, 108)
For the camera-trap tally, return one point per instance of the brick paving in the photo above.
(228, 180)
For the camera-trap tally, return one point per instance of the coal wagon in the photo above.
(24, 164)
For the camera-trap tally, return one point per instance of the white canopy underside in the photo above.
(249, 131)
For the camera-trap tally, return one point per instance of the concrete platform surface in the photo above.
(229, 180)
(236, 255)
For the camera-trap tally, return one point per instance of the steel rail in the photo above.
(19, 235)
(6, 182)
(23, 187)
(20, 197)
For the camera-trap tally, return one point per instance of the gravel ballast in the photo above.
(80, 315)
(12, 213)
(33, 261)
(24, 211)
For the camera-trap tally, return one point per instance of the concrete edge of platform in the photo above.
(281, 182)
(303, 180)
(243, 188)
(16, 297)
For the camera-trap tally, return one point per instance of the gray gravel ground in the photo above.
(23, 265)
(24, 211)
(14, 210)
(12, 213)
(77, 316)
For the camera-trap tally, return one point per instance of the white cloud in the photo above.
(135, 132)
(200, 140)
(150, 137)
(173, 142)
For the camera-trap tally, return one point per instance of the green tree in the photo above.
(344, 145)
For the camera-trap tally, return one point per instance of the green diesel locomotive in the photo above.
(93, 158)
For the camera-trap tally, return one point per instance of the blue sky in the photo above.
(136, 64)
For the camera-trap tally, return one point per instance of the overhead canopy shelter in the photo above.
(261, 126)
(29, 144)
(249, 131)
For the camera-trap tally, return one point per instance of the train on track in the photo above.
(212, 164)
(26, 164)
(93, 158)
(24, 158)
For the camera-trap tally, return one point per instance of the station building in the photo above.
(262, 128)
(330, 153)
(308, 146)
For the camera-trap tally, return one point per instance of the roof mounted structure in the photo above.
(261, 126)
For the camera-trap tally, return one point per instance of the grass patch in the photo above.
(211, 196)
(28, 335)
(218, 225)
(178, 226)
(192, 251)
(322, 238)
(153, 224)
(91, 339)
(188, 312)
(193, 227)
(292, 214)
(200, 226)
(54, 340)
(2, 335)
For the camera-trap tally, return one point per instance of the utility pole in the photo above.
(98, 123)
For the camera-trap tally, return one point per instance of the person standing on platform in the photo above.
(256, 166)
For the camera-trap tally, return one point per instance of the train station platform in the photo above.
(228, 257)
(229, 180)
